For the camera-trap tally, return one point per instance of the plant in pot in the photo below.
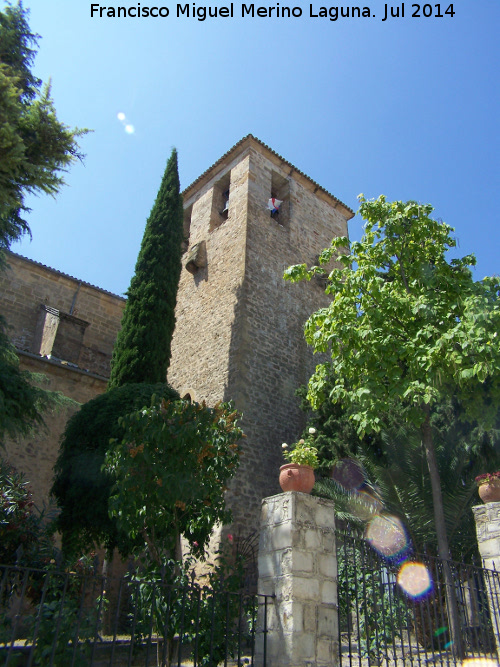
(489, 487)
(298, 474)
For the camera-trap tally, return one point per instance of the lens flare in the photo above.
(415, 580)
(364, 505)
(387, 535)
(479, 662)
(128, 127)
(349, 474)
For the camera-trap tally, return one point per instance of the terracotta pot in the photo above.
(297, 478)
(489, 491)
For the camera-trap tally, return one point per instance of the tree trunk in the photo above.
(442, 537)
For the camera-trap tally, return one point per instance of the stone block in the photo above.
(327, 622)
(305, 512)
(329, 592)
(304, 648)
(328, 541)
(305, 588)
(302, 561)
(283, 588)
(312, 539)
(325, 516)
(489, 548)
(328, 565)
(286, 563)
(281, 537)
(309, 613)
(292, 617)
(267, 586)
(274, 563)
(327, 653)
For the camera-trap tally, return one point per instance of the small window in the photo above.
(187, 227)
(321, 279)
(280, 192)
(220, 202)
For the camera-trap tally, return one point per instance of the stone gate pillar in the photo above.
(298, 564)
(487, 518)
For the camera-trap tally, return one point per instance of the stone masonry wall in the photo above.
(268, 357)
(239, 328)
(36, 454)
(487, 519)
(207, 299)
(89, 333)
(26, 286)
(298, 565)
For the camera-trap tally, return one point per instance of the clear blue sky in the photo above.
(407, 107)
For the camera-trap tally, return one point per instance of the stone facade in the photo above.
(51, 314)
(298, 565)
(239, 330)
(64, 329)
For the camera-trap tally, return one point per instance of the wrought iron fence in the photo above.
(381, 624)
(51, 618)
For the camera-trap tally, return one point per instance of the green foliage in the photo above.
(405, 325)
(397, 473)
(364, 595)
(64, 618)
(35, 146)
(170, 469)
(140, 359)
(80, 486)
(303, 452)
(22, 399)
(166, 599)
(142, 349)
(63, 629)
(23, 531)
(336, 435)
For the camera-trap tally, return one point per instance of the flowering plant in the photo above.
(487, 477)
(302, 452)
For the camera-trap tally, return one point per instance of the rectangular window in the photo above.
(220, 202)
(187, 227)
(280, 192)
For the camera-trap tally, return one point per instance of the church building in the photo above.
(239, 325)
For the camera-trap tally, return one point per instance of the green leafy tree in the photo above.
(35, 149)
(81, 488)
(405, 325)
(24, 535)
(142, 349)
(170, 471)
(139, 366)
(397, 472)
(23, 400)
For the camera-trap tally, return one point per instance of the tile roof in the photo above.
(66, 275)
(249, 138)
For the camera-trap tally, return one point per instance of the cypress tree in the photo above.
(142, 349)
(138, 371)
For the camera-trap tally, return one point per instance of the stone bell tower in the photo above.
(239, 332)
